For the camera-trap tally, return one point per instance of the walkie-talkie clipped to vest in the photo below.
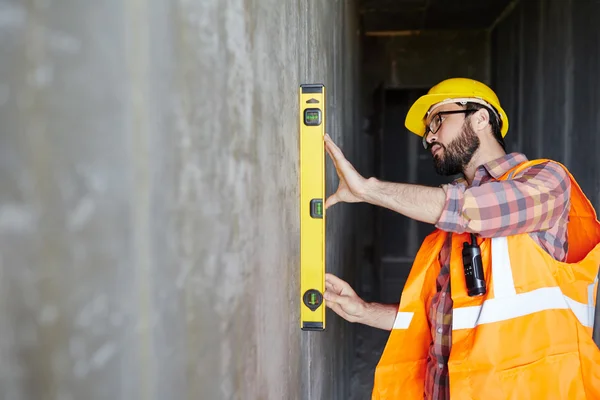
(473, 268)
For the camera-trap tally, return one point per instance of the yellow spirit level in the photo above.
(312, 209)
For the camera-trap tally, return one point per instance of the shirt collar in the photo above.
(495, 168)
(500, 166)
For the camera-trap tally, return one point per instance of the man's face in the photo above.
(452, 146)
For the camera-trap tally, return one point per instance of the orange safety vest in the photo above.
(529, 337)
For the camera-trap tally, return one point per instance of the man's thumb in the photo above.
(331, 200)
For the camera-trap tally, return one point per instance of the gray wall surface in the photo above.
(546, 64)
(149, 223)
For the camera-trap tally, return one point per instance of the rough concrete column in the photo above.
(148, 210)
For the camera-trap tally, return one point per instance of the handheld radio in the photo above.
(473, 268)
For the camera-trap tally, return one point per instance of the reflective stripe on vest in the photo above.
(507, 304)
(403, 320)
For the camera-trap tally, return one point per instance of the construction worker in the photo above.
(524, 329)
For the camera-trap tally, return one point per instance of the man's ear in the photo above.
(481, 119)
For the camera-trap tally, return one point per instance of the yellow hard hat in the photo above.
(453, 90)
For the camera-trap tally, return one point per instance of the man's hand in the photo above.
(343, 300)
(418, 202)
(352, 185)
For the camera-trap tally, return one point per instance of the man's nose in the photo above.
(430, 137)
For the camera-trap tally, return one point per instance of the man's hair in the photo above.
(494, 121)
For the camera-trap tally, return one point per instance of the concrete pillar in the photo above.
(148, 212)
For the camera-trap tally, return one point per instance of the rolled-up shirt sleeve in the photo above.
(532, 201)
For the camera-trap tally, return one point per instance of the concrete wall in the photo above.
(546, 58)
(149, 229)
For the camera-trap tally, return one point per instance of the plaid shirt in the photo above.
(536, 201)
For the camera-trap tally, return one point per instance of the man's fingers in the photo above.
(333, 159)
(339, 285)
(334, 280)
(335, 298)
(331, 296)
(329, 286)
(328, 150)
(334, 151)
(342, 165)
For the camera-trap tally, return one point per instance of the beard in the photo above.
(457, 155)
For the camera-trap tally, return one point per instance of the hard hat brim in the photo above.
(415, 118)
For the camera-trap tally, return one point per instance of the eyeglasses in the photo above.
(436, 123)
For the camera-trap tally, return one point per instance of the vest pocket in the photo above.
(402, 380)
(554, 377)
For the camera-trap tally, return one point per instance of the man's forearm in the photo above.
(422, 203)
(380, 316)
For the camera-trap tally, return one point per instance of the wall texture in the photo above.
(148, 214)
(546, 58)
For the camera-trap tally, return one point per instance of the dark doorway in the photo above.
(400, 157)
